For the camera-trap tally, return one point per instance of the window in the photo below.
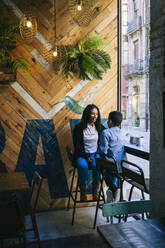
(136, 49)
(147, 41)
(135, 106)
(135, 54)
(135, 7)
(135, 70)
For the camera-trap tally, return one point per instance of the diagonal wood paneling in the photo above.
(42, 94)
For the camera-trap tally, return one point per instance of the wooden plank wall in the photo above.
(34, 111)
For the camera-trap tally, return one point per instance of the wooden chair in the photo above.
(30, 206)
(73, 193)
(12, 223)
(134, 175)
(126, 207)
(103, 163)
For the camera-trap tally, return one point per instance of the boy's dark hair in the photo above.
(116, 117)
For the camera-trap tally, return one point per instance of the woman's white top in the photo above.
(90, 137)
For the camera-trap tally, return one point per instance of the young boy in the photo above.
(111, 145)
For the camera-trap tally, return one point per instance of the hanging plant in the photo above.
(8, 38)
(86, 60)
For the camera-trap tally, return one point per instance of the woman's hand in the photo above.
(89, 160)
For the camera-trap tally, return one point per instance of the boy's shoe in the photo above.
(114, 191)
(109, 196)
(116, 197)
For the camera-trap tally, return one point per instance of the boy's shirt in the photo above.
(112, 144)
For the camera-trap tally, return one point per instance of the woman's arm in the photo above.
(104, 143)
(78, 142)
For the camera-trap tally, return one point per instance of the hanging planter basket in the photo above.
(7, 75)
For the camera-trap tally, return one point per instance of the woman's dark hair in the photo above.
(86, 117)
(116, 117)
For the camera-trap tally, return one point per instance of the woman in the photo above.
(86, 139)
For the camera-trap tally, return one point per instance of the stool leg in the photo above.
(130, 194)
(24, 241)
(35, 228)
(75, 201)
(98, 203)
(121, 190)
(71, 188)
(143, 195)
(103, 196)
(147, 215)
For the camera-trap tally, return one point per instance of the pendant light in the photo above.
(81, 11)
(28, 25)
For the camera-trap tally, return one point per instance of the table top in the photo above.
(140, 234)
(141, 152)
(13, 181)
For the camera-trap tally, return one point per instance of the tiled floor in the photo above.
(57, 224)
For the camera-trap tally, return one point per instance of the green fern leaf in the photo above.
(86, 60)
(21, 63)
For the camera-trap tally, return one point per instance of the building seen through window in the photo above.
(135, 53)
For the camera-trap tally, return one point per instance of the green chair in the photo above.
(126, 207)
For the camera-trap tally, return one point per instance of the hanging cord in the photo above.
(55, 21)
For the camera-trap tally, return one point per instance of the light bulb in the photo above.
(79, 7)
(28, 24)
(55, 53)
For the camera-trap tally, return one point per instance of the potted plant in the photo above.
(9, 33)
(86, 60)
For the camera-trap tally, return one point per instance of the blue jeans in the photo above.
(82, 167)
(110, 178)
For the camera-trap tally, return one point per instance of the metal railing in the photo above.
(134, 24)
(138, 67)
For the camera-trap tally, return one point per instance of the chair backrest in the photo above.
(126, 207)
(133, 173)
(108, 164)
(35, 190)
